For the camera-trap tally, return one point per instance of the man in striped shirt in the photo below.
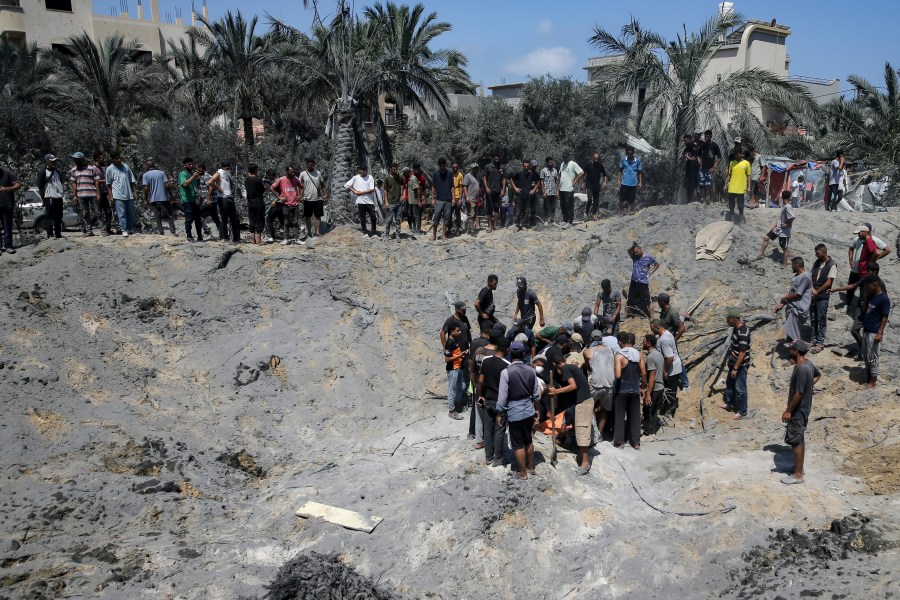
(738, 362)
(85, 191)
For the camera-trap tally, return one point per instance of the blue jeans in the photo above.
(393, 218)
(736, 390)
(456, 388)
(506, 215)
(125, 212)
(819, 319)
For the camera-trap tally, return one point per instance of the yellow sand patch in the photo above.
(47, 423)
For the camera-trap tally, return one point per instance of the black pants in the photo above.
(627, 405)
(256, 215)
(549, 208)
(670, 396)
(414, 217)
(736, 199)
(290, 221)
(192, 215)
(89, 209)
(273, 213)
(53, 211)
(567, 206)
(638, 299)
(651, 413)
(851, 308)
(593, 201)
(525, 205)
(6, 220)
(211, 210)
(230, 217)
(107, 212)
(494, 435)
(367, 210)
(163, 209)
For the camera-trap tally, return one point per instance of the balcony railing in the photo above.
(10, 4)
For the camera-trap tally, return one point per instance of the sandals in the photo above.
(817, 348)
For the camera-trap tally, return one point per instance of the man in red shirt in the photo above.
(869, 252)
(288, 189)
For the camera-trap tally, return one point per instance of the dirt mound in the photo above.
(316, 576)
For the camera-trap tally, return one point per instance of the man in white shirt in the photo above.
(550, 189)
(363, 187)
(570, 174)
(672, 376)
(834, 181)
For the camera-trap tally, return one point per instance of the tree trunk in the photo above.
(343, 204)
(248, 132)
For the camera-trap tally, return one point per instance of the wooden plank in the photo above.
(696, 304)
(339, 516)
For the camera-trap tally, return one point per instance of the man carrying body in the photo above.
(123, 188)
(665, 342)
(441, 198)
(593, 173)
(570, 174)
(495, 185)
(550, 189)
(601, 362)
(824, 272)
(655, 391)
(315, 195)
(9, 185)
(156, 196)
(738, 364)
(187, 189)
(517, 400)
(796, 415)
(797, 300)
(874, 322)
(710, 157)
(611, 301)
(571, 380)
(780, 230)
(643, 266)
(526, 301)
(85, 191)
(50, 187)
(631, 180)
(525, 186)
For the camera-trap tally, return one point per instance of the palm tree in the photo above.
(26, 75)
(672, 74)
(192, 76)
(239, 57)
(113, 81)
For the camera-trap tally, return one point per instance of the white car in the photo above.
(31, 214)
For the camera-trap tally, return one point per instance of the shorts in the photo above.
(627, 194)
(491, 202)
(256, 215)
(755, 189)
(584, 419)
(442, 211)
(705, 180)
(313, 208)
(782, 240)
(520, 433)
(603, 398)
(795, 430)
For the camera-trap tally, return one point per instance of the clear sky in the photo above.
(509, 40)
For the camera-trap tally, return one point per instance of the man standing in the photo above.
(655, 391)
(9, 185)
(631, 371)
(571, 380)
(288, 189)
(824, 272)
(601, 362)
(526, 301)
(485, 302)
(631, 180)
(471, 191)
(854, 253)
(710, 157)
(156, 196)
(874, 322)
(517, 400)
(362, 186)
(393, 190)
(780, 230)
(736, 183)
(50, 187)
(570, 175)
(495, 185)
(643, 266)
(492, 369)
(862, 306)
(665, 342)
(797, 301)
(315, 195)
(550, 188)
(209, 204)
(255, 191)
(222, 184)
(479, 349)
(611, 301)
(441, 199)
(454, 357)
(457, 194)
(759, 172)
(796, 415)
(103, 194)
(594, 172)
(187, 188)
(123, 187)
(85, 191)
(738, 363)
(690, 154)
(525, 186)
(458, 318)
(669, 316)
(834, 181)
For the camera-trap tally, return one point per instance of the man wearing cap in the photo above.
(495, 184)
(573, 386)
(601, 362)
(471, 191)
(485, 302)
(853, 255)
(549, 188)
(643, 266)
(738, 363)
(50, 187)
(123, 188)
(586, 324)
(570, 174)
(611, 303)
(799, 405)
(797, 301)
(454, 358)
(9, 185)
(517, 400)
(362, 185)
(526, 301)
(594, 172)
(520, 328)
(631, 180)
(85, 179)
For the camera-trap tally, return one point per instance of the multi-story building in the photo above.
(49, 23)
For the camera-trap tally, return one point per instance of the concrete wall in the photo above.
(47, 27)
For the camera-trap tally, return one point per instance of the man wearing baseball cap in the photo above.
(853, 255)
(517, 399)
(738, 363)
(526, 301)
(50, 187)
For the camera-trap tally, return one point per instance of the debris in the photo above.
(223, 261)
(322, 577)
(339, 516)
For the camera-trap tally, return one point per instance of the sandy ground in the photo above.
(164, 419)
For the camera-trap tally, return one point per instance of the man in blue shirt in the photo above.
(156, 195)
(517, 399)
(631, 179)
(643, 266)
(123, 189)
(874, 322)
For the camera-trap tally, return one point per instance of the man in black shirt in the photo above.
(476, 417)
(571, 382)
(710, 156)
(524, 185)
(458, 318)
(488, 390)
(593, 173)
(691, 167)
(9, 185)
(256, 205)
(485, 303)
(495, 183)
(526, 302)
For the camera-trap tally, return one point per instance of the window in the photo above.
(390, 117)
(719, 78)
(63, 5)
